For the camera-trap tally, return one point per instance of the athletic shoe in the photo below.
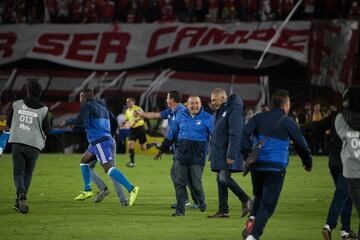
(195, 206)
(22, 204)
(202, 208)
(16, 206)
(130, 165)
(133, 195)
(219, 215)
(349, 236)
(100, 195)
(124, 203)
(178, 214)
(187, 205)
(84, 195)
(246, 207)
(326, 232)
(249, 225)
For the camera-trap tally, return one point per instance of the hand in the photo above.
(229, 161)
(307, 168)
(136, 114)
(158, 155)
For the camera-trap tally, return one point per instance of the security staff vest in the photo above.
(26, 126)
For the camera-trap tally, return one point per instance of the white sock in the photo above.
(344, 233)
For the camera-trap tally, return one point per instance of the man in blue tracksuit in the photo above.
(173, 101)
(191, 129)
(94, 117)
(225, 155)
(269, 171)
(103, 189)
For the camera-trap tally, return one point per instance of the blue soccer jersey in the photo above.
(4, 137)
(95, 119)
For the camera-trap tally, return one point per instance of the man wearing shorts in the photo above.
(137, 130)
(94, 117)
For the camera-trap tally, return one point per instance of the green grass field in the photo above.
(54, 214)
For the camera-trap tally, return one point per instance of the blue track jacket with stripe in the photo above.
(95, 118)
(192, 135)
(274, 155)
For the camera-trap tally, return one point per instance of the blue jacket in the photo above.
(170, 114)
(226, 138)
(95, 119)
(274, 155)
(192, 135)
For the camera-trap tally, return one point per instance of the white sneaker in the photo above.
(250, 237)
(130, 165)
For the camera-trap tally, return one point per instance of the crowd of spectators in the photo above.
(189, 11)
(305, 117)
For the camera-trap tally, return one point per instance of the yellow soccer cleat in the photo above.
(84, 195)
(133, 195)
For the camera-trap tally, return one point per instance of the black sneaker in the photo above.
(101, 195)
(16, 206)
(220, 215)
(124, 203)
(178, 214)
(20, 204)
(202, 208)
(246, 207)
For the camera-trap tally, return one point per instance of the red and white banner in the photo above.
(108, 47)
(333, 53)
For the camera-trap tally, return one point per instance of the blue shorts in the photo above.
(103, 151)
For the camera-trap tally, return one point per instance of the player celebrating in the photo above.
(94, 117)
